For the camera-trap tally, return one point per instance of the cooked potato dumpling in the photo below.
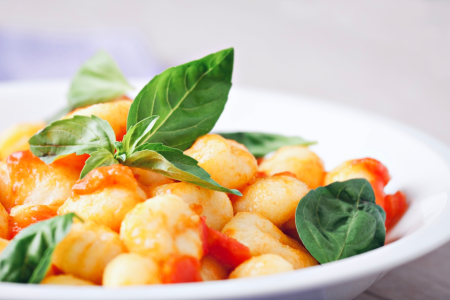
(86, 251)
(262, 237)
(215, 206)
(115, 112)
(163, 226)
(211, 269)
(131, 269)
(108, 202)
(25, 179)
(265, 264)
(228, 162)
(3, 244)
(22, 216)
(275, 198)
(65, 280)
(149, 178)
(299, 160)
(4, 221)
(16, 138)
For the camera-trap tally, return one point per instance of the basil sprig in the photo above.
(98, 80)
(340, 220)
(188, 99)
(259, 144)
(27, 257)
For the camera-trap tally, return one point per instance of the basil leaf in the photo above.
(27, 257)
(189, 100)
(98, 80)
(340, 220)
(138, 134)
(259, 144)
(174, 164)
(100, 158)
(80, 135)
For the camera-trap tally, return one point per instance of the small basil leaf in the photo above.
(80, 135)
(340, 220)
(189, 100)
(173, 164)
(259, 144)
(98, 80)
(27, 257)
(138, 134)
(99, 158)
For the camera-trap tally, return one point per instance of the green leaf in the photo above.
(259, 144)
(98, 80)
(138, 134)
(340, 220)
(173, 164)
(27, 257)
(99, 158)
(80, 135)
(188, 99)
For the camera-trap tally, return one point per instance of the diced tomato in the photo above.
(103, 177)
(73, 161)
(226, 250)
(395, 207)
(181, 269)
(28, 216)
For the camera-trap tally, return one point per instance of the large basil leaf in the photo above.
(98, 80)
(260, 144)
(188, 99)
(340, 220)
(80, 135)
(173, 164)
(138, 134)
(27, 257)
(99, 158)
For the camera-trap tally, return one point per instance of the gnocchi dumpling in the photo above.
(115, 113)
(211, 269)
(275, 198)
(299, 160)
(265, 264)
(105, 196)
(228, 162)
(25, 179)
(131, 269)
(86, 251)
(3, 244)
(65, 280)
(163, 226)
(215, 206)
(262, 237)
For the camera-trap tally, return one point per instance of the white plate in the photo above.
(419, 166)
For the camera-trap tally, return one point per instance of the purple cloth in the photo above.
(27, 55)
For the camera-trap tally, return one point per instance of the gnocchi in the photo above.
(163, 226)
(228, 162)
(265, 264)
(262, 237)
(299, 160)
(215, 206)
(86, 251)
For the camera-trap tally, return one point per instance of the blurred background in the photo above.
(391, 57)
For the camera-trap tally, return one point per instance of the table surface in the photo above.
(391, 57)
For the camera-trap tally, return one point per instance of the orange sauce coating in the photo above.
(104, 177)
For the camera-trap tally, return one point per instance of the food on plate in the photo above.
(120, 192)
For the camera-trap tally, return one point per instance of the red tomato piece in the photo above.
(181, 269)
(395, 207)
(226, 250)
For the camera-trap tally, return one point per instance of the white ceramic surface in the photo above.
(419, 166)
